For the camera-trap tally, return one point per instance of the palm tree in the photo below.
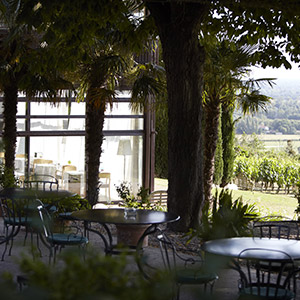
(224, 84)
(99, 78)
(20, 51)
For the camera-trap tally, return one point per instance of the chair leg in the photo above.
(178, 291)
(4, 251)
(38, 244)
(11, 245)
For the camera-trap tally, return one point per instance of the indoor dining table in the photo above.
(148, 219)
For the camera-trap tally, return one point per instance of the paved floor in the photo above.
(225, 288)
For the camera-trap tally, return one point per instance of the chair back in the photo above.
(45, 225)
(42, 182)
(148, 265)
(10, 211)
(284, 229)
(257, 276)
(42, 161)
(159, 197)
(68, 168)
(17, 212)
(106, 177)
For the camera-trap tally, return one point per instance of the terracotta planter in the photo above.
(129, 235)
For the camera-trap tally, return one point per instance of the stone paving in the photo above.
(224, 289)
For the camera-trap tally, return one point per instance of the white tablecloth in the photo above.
(45, 169)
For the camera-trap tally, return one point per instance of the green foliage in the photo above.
(7, 178)
(269, 169)
(161, 144)
(249, 145)
(141, 200)
(289, 149)
(96, 277)
(69, 204)
(297, 196)
(229, 218)
(227, 144)
(218, 170)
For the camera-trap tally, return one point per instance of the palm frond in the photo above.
(148, 80)
(253, 102)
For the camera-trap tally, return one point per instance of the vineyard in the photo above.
(267, 173)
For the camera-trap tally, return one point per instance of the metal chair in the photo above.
(281, 229)
(257, 279)
(56, 241)
(183, 268)
(43, 182)
(17, 213)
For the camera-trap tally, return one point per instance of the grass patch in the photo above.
(268, 203)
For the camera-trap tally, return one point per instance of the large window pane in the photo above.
(57, 124)
(60, 151)
(122, 157)
(77, 108)
(21, 108)
(122, 109)
(123, 124)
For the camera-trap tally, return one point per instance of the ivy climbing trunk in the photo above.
(10, 128)
(178, 26)
(93, 145)
(212, 115)
(228, 133)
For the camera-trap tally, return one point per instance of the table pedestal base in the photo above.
(129, 235)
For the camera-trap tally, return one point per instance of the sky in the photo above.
(280, 74)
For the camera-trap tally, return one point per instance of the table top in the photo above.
(265, 248)
(116, 216)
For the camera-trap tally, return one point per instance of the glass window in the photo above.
(49, 155)
(20, 124)
(21, 109)
(122, 109)
(123, 124)
(122, 157)
(46, 108)
(57, 124)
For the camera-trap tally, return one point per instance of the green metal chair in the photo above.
(56, 241)
(258, 279)
(184, 269)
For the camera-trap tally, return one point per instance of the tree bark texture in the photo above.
(10, 127)
(212, 115)
(93, 145)
(178, 27)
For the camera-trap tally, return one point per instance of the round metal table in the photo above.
(148, 218)
(232, 247)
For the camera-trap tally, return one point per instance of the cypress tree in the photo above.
(227, 143)
(218, 172)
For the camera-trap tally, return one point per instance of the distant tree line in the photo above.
(259, 125)
(281, 116)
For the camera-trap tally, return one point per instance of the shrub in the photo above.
(96, 277)
(229, 218)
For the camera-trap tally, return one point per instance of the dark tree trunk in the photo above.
(10, 127)
(212, 115)
(178, 26)
(93, 145)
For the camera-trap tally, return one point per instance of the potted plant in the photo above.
(130, 234)
(140, 200)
